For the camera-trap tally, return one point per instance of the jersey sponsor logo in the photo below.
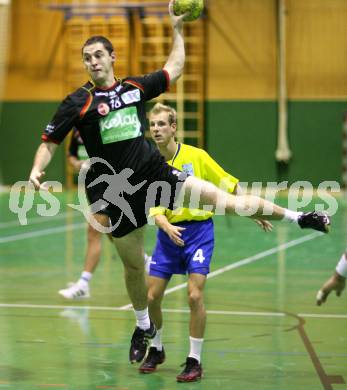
(103, 109)
(101, 93)
(131, 96)
(49, 129)
(188, 169)
(120, 125)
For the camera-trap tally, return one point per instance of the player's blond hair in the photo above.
(159, 107)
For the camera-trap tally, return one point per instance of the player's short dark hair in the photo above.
(99, 38)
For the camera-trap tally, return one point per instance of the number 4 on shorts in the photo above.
(199, 256)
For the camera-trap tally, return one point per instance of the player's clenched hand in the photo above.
(335, 283)
(264, 224)
(35, 178)
(174, 232)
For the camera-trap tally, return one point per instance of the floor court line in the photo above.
(37, 220)
(248, 260)
(187, 311)
(41, 233)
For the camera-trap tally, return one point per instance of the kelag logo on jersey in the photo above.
(120, 125)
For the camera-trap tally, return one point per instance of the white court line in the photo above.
(246, 261)
(308, 315)
(36, 220)
(41, 233)
(187, 311)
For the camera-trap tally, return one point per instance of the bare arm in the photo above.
(174, 232)
(43, 156)
(175, 63)
(335, 283)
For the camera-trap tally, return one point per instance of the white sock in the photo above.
(142, 318)
(156, 341)
(291, 216)
(85, 278)
(195, 348)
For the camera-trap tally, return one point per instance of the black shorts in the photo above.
(94, 197)
(127, 202)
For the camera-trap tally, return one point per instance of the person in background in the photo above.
(185, 242)
(77, 155)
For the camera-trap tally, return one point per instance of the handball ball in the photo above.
(194, 7)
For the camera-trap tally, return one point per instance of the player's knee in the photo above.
(154, 298)
(195, 297)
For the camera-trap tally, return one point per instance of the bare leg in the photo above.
(156, 288)
(246, 205)
(131, 251)
(80, 289)
(94, 244)
(196, 284)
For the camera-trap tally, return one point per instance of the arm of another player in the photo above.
(337, 282)
(174, 232)
(43, 156)
(175, 63)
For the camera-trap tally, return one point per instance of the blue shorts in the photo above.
(195, 257)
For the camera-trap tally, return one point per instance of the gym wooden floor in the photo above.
(263, 328)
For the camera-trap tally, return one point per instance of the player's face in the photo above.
(161, 130)
(98, 63)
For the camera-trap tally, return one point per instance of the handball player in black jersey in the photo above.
(111, 119)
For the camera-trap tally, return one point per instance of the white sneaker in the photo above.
(75, 292)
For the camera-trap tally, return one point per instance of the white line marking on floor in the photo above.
(337, 316)
(246, 261)
(41, 233)
(187, 311)
(36, 220)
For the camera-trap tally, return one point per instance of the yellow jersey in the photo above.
(195, 162)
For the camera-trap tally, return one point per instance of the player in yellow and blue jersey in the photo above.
(185, 241)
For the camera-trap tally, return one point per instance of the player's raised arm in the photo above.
(175, 63)
(43, 156)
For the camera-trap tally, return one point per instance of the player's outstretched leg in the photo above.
(246, 205)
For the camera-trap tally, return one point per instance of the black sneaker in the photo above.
(314, 220)
(192, 371)
(139, 343)
(153, 358)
